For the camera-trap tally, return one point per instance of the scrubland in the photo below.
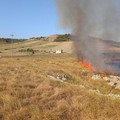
(28, 93)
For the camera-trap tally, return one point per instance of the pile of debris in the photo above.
(112, 80)
(58, 76)
(52, 51)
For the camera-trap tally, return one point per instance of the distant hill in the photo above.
(62, 38)
(55, 38)
(37, 44)
(50, 43)
(10, 40)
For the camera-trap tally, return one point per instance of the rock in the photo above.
(82, 86)
(118, 86)
(106, 79)
(113, 95)
(115, 78)
(52, 77)
(96, 77)
(63, 78)
(59, 77)
(112, 83)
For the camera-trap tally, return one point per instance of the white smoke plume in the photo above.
(93, 24)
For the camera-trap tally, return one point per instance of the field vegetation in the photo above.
(11, 40)
(64, 37)
(28, 92)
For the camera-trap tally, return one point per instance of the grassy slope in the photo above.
(7, 49)
(27, 93)
(48, 44)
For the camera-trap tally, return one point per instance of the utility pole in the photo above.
(12, 44)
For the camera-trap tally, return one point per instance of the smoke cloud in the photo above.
(95, 27)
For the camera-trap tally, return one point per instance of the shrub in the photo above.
(29, 50)
(61, 38)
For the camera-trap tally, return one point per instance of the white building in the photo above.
(59, 51)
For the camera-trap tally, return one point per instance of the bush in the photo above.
(28, 50)
(9, 40)
(61, 38)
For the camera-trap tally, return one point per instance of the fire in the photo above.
(89, 66)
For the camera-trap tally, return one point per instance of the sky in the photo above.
(28, 18)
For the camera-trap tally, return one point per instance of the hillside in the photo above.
(54, 87)
(10, 40)
(37, 84)
(38, 44)
(49, 44)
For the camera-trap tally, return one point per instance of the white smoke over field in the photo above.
(94, 24)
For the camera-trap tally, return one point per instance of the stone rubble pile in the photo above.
(113, 81)
(58, 76)
(96, 77)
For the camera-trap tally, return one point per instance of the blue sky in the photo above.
(28, 18)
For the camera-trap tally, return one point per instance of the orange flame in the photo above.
(89, 66)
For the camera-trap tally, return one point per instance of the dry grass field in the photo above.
(42, 44)
(30, 90)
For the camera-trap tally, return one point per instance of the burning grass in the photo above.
(27, 93)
